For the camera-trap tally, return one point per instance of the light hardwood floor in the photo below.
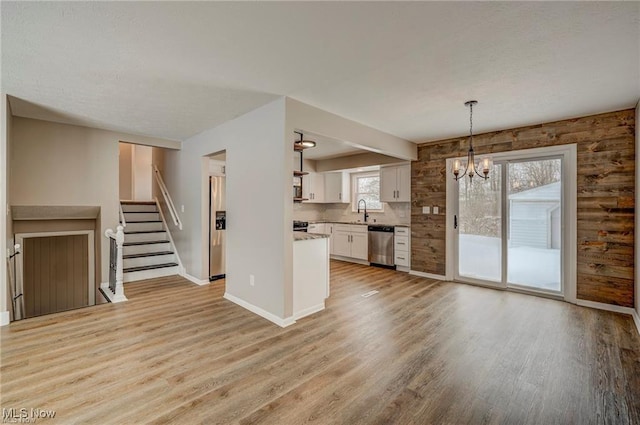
(418, 352)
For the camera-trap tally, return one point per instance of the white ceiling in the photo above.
(327, 147)
(173, 69)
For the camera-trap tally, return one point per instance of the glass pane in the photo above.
(369, 184)
(480, 227)
(373, 200)
(368, 188)
(534, 236)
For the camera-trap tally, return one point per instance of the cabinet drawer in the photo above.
(342, 227)
(359, 228)
(402, 231)
(402, 243)
(401, 259)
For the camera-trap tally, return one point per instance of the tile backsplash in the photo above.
(394, 213)
(308, 212)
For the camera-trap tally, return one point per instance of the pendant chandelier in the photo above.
(471, 168)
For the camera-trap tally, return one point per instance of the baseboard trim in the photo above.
(350, 260)
(636, 319)
(4, 318)
(427, 275)
(283, 323)
(607, 307)
(308, 311)
(194, 279)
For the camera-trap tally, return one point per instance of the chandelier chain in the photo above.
(471, 124)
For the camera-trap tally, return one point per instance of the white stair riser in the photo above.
(143, 249)
(147, 216)
(143, 227)
(150, 274)
(139, 207)
(149, 261)
(144, 237)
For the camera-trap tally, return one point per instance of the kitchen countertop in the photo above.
(359, 222)
(304, 236)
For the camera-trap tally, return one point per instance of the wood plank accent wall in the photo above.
(56, 274)
(606, 187)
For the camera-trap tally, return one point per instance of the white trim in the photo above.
(350, 260)
(354, 192)
(569, 220)
(111, 297)
(193, 279)
(427, 275)
(308, 311)
(19, 238)
(606, 307)
(636, 319)
(283, 323)
(4, 318)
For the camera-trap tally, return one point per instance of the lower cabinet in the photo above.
(350, 240)
(317, 228)
(402, 248)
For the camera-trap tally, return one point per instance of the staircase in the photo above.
(147, 249)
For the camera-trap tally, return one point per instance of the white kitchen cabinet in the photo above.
(313, 187)
(319, 228)
(395, 183)
(402, 248)
(328, 228)
(351, 240)
(336, 187)
(341, 243)
(360, 245)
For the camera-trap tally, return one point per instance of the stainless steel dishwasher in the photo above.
(381, 246)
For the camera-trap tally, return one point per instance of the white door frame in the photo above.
(20, 237)
(569, 215)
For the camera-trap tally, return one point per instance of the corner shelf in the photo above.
(297, 173)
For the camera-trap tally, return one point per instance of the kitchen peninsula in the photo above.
(310, 273)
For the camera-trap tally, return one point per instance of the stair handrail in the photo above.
(167, 198)
(123, 221)
(114, 289)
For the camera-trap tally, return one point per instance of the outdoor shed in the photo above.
(535, 217)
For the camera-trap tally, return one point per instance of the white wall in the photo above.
(125, 170)
(6, 241)
(259, 205)
(61, 164)
(141, 172)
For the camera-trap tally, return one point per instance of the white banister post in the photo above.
(119, 295)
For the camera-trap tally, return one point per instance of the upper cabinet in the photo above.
(313, 188)
(395, 183)
(336, 187)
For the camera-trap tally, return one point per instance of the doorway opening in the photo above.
(516, 230)
(217, 216)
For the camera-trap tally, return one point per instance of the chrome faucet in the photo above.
(366, 216)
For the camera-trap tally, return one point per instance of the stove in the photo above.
(300, 226)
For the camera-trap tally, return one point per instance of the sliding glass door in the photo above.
(508, 229)
(479, 223)
(535, 224)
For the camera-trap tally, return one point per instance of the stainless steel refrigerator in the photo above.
(217, 227)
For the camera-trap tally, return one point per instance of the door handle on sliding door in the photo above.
(455, 221)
